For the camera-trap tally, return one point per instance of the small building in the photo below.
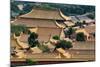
(81, 18)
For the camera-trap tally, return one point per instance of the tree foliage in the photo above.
(56, 37)
(29, 61)
(91, 16)
(80, 36)
(32, 40)
(64, 44)
(44, 48)
(65, 8)
(69, 32)
(17, 29)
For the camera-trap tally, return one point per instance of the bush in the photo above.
(80, 36)
(32, 40)
(44, 48)
(56, 37)
(29, 61)
(17, 29)
(91, 16)
(17, 33)
(69, 32)
(79, 24)
(64, 44)
(84, 22)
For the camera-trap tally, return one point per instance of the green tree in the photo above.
(91, 16)
(69, 32)
(80, 36)
(84, 22)
(66, 9)
(44, 48)
(64, 44)
(78, 24)
(17, 29)
(29, 61)
(56, 37)
(32, 40)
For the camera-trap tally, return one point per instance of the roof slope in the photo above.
(35, 22)
(43, 14)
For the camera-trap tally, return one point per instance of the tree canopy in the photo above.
(56, 37)
(32, 40)
(17, 29)
(67, 9)
(80, 36)
(64, 44)
(69, 32)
